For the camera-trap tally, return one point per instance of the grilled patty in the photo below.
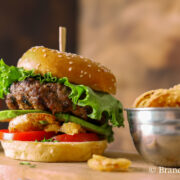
(53, 97)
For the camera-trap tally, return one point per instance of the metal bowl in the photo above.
(156, 134)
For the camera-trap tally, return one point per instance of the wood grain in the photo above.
(11, 170)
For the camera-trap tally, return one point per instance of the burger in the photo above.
(61, 107)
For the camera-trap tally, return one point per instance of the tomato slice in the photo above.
(25, 136)
(81, 137)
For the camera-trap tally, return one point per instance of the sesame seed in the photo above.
(43, 50)
(59, 56)
(89, 65)
(25, 59)
(37, 47)
(74, 55)
(37, 66)
(81, 71)
(68, 54)
(81, 75)
(98, 70)
(45, 55)
(70, 62)
(81, 57)
(89, 75)
(85, 72)
(70, 68)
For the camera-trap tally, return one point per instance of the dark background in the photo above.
(24, 24)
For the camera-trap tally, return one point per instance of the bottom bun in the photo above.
(53, 151)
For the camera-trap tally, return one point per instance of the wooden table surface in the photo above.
(11, 170)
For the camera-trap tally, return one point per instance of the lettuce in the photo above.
(10, 74)
(99, 102)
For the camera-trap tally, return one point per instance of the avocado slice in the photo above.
(105, 129)
(7, 115)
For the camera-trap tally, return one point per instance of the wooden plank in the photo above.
(11, 170)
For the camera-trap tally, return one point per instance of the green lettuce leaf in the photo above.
(99, 102)
(10, 74)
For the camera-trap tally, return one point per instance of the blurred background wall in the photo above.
(138, 40)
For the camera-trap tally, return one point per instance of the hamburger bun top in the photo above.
(78, 69)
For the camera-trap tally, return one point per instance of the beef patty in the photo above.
(31, 94)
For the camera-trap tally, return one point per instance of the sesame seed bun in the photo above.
(78, 69)
(53, 151)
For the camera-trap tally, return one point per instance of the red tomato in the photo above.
(81, 137)
(25, 136)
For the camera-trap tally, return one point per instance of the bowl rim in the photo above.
(153, 109)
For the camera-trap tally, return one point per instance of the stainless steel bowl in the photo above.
(156, 134)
